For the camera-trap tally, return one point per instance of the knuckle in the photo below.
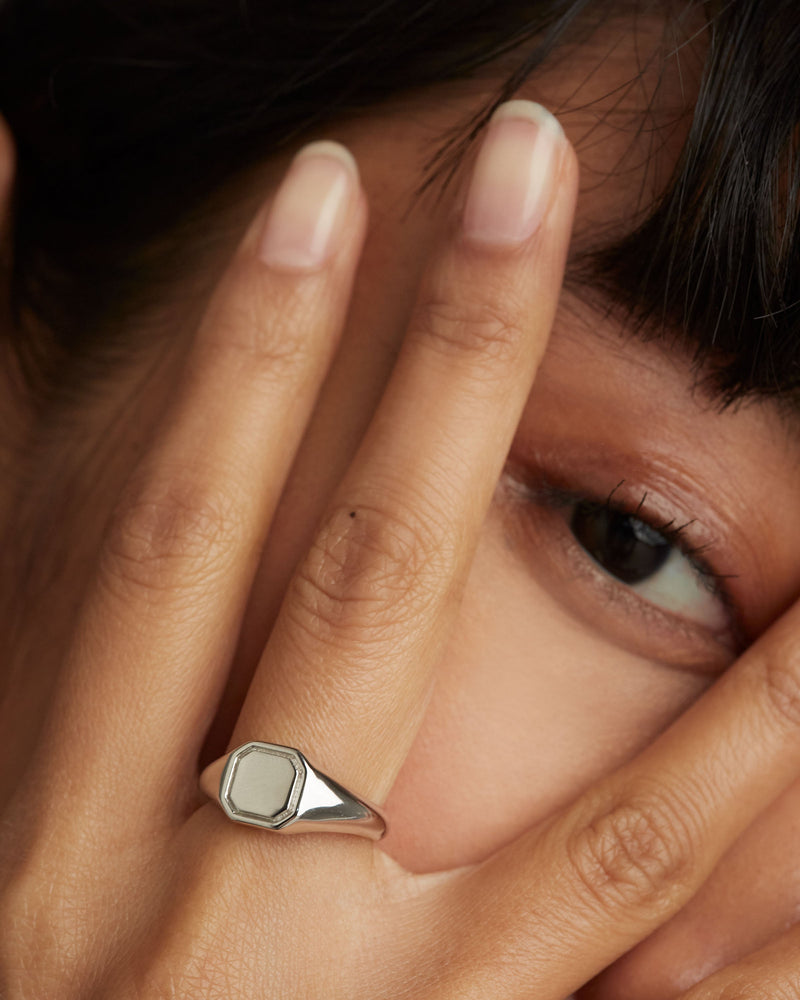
(369, 571)
(168, 533)
(638, 854)
(474, 327)
(780, 674)
(261, 341)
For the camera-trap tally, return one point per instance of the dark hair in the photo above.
(128, 113)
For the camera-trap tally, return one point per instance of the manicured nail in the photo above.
(514, 175)
(309, 215)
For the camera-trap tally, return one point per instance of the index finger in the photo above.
(634, 849)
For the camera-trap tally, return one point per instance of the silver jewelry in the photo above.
(275, 787)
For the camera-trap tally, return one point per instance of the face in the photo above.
(639, 538)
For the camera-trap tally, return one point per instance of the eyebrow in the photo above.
(612, 303)
(714, 309)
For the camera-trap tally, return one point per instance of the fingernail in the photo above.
(514, 175)
(308, 217)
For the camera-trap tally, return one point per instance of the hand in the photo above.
(118, 882)
(772, 973)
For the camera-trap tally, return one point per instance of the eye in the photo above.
(647, 560)
(622, 544)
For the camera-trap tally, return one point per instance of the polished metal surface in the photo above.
(275, 787)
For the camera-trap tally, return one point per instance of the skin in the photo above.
(525, 681)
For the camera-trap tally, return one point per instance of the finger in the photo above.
(772, 973)
(749, 899)
(565, 901)
(155, 640)
(350, 661)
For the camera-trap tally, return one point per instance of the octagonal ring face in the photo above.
(262, 784)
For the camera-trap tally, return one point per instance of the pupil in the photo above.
(624, 546)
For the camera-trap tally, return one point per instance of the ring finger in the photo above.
(156, 635)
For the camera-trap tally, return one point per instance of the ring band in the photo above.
(275, 787)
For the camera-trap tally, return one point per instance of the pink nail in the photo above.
(514, 176)
(308, 217)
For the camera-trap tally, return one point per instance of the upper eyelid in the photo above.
(558, 496)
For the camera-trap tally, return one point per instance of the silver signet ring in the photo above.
(275, 787)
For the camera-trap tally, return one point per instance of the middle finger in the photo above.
(349, 663)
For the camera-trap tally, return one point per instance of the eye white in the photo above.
(677, 588)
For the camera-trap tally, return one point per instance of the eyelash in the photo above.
(559, 498)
